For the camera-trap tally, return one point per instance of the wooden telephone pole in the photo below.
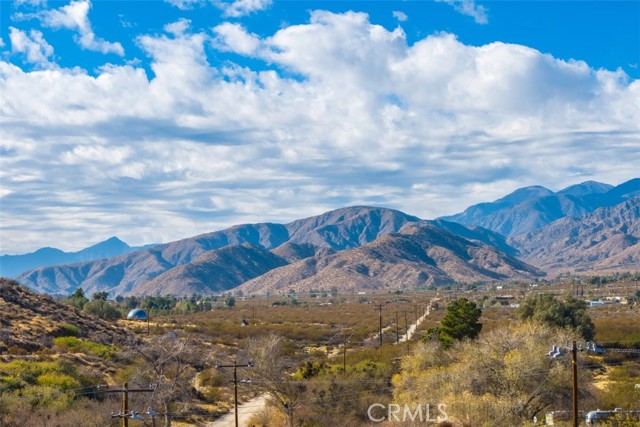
(235, 367)
(379, 308)
(574, 376)
(125, 390)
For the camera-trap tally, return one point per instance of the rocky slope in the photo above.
(338, 230)
(30, 320)
(606, 239)
(213, 272)
(420, 255)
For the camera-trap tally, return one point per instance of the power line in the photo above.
(235, 367)
(379, 308)
(125, 390)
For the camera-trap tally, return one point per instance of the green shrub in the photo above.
(77, 345)
(67, 330)
(212, 394)
(46, 397)
(211, 378)
(102, 309)
(17, 351)
(41, 381)
(58, 381)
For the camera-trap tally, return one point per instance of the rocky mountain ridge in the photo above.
(338, 247)
(531, 208)
(606, 239)
(419, 255)
(340, 229)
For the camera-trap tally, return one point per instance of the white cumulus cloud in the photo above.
(235, 38)
(341, 112)
(239, 8)
(469, 8)
(185, 4)
(400, 16)
(33, 45)
(30, 2)
(74, 16)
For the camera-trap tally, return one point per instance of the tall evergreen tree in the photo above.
(460, 322)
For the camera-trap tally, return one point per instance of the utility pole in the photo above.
(235, 367)
(344, 356)
(125, 405)
(125, 390)
(345, 340)
(379, 308)
(574, 375)
(253, 318)
(406, 326)
(590, 346)
(397, 329)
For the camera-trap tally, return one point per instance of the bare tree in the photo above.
(168, 363)
(270, 375)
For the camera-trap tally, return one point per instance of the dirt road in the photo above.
(245, 412)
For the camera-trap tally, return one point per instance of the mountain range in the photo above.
(341, 229)
(377, 248)
(219, 261)
(531, 208)
(421, 254)
(11, 265)
(606, 239)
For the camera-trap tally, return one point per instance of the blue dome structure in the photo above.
(137, 314)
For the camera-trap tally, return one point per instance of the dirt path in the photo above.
(412, 328)
(245, 412)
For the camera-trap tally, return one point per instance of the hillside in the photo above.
(213, 272)
(420, 255)
(292, 252)
(532, 208)
(339, 229)
(219, 261)
(606, 239)
(30, 320)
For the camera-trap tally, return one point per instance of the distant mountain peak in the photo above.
(531, 208)
(111, 242)
(113, 239)
(525, 193)
(607, 238)
(12, 265)
(419, 255)
(585, 188)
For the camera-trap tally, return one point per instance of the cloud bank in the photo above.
(344, 112)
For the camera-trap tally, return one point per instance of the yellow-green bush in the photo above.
(77, 345)
(59, 381)
(51, 384)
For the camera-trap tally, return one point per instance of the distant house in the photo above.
(137, 314)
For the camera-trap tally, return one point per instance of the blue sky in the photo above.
(157, 120)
